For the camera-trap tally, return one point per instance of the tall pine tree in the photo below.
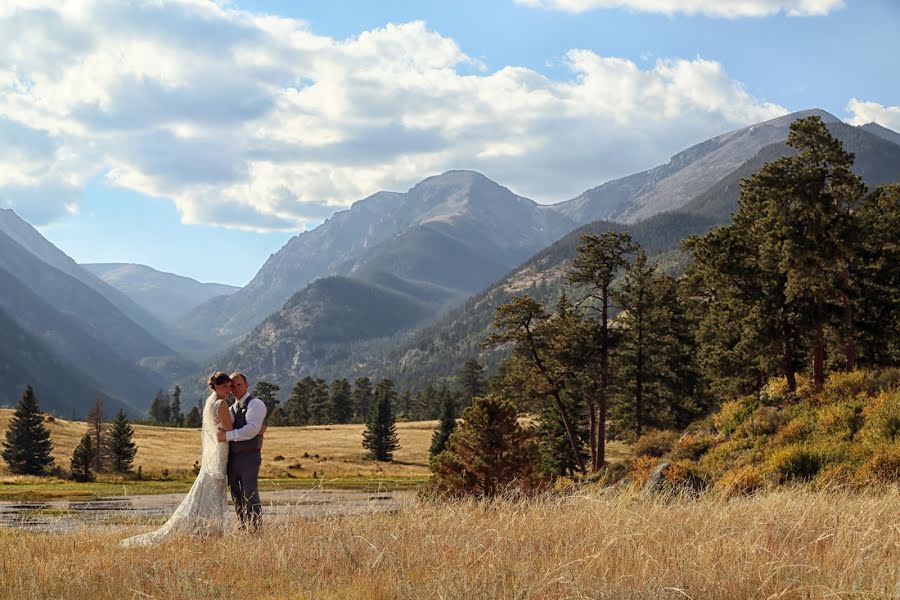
(445, 427)
(83, 458)
(362, 399)
(600, 258)
(176, 417)
(340, 403)
(27, 447)
(380, 437)
(122, 448)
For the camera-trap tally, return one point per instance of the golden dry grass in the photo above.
(339, 449)
(332, 451)
(786, 544)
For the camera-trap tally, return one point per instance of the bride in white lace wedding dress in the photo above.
(202, 511)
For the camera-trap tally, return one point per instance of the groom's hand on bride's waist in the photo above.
(221, 436)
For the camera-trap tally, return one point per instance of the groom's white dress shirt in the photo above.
(256, 414)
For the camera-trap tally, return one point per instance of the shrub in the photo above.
(692, 446)
(640, 469)
(765, 420)
(840, 421)
(841, 387)
(729, 416)
(741, 481)
(655, 443)
(795, 462)
(883, 418)
(883, 466)
(685, 475)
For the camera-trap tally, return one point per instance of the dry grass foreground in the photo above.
(785, 544)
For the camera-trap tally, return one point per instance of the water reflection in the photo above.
(66, 515)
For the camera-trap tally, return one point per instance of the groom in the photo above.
(244, 452)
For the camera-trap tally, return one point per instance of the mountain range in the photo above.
(281, 351)
(166, 296)
(400, 284)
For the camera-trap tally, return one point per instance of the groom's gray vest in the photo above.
(239, 419)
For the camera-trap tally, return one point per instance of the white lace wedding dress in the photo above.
(202, 511)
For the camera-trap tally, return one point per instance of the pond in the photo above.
(63, 516)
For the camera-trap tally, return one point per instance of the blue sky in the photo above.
(197, 137)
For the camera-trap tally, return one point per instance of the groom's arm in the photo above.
(256, 414)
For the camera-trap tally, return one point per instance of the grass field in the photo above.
(601, 544)
(329, 454)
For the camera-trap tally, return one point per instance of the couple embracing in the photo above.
(230, 456)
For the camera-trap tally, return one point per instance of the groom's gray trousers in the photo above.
(243, 480)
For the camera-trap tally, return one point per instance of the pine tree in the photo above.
(83, 459)
(341, 408)
(362, 398)
(876, 272)
(193, 418)
(98, 429)
(599, 260)
(540, 353)
(640, 353)
(27, 447)
(380, 436)
(160, 409)
(121, 443)
(445, 427)
(265, 391)
(319, 402)
(297, 406)
(471, 381)
(175, 415)
(488, 454)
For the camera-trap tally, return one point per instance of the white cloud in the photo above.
(872, 112)
(244, 118)
(729, 9)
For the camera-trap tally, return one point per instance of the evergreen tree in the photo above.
(193, 418)
(297, 406)
(876, 271)
(121, 443)
(341, 407)
(405, 405)
(471, 381)
(176, 418)
(640, 352)
(265, 391)
(98, 429)
(362, 398)
(538, 345)
(319, 402)
(488, 454)
(599, 260)
(428, 402)
(380, 437)
(27, 447)
(445, 427)
(83, 459)
(160, 409)
(781, 273)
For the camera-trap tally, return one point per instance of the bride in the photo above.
(203, 509)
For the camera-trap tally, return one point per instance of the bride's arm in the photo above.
(225, 423)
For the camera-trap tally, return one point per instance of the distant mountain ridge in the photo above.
(30, 239)
(688, 174)
(166, 296)
(457, 207)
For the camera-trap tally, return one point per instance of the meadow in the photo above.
(791, 543)
(321, 455)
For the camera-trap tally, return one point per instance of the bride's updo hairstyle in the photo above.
(218, 378)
